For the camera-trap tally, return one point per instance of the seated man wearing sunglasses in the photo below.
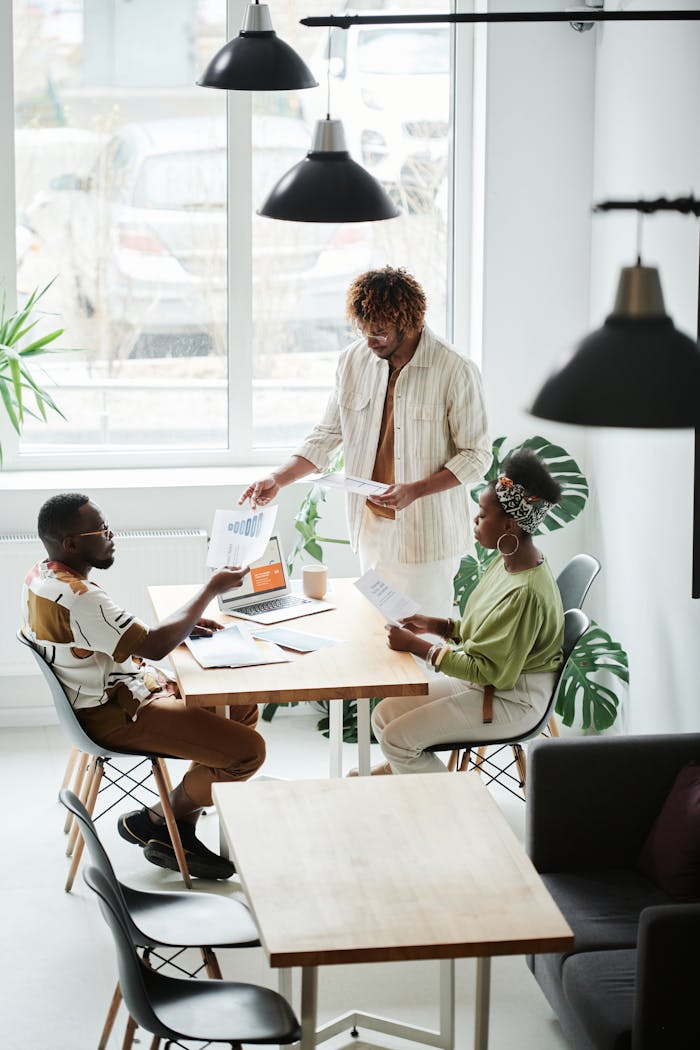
(99, 652)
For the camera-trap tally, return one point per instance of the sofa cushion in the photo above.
(670, 856)
(602, 907)
(600, 988)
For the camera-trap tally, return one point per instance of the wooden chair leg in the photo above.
(170, 821)
(481, 751)
(211, 964)
(77, 786)
(521, 763)
(90, 806)
(464, 764)
(70, 766)
(553, 726)
(452, 761)
(111, 1017)
(84, 795)
(166, 775)
(129, 1034)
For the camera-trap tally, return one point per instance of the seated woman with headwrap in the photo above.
(495, 672)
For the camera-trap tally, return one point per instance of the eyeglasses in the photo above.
(377, 337)
(104, 531)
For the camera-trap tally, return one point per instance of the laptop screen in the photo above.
(266, 577)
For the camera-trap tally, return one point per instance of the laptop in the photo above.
(266, 595)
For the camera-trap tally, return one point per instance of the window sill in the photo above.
(129, 478)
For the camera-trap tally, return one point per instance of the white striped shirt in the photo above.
(439, 421)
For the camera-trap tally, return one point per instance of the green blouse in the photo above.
(513, 624)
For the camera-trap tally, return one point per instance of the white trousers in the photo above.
(405, 725)
(429, 583)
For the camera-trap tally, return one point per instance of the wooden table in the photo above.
(360, 667)
(386, 868)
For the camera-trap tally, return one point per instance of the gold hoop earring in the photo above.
(509, 554)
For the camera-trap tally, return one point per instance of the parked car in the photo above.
(143, 240)
(390, 86)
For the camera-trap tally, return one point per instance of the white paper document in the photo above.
(349, 483)
(233, 647)
(239, 537)
(392, 604)
(299, 641)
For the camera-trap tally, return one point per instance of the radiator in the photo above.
(141, 558)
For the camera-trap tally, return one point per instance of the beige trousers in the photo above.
(405, 725)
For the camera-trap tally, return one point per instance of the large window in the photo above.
(204, 332)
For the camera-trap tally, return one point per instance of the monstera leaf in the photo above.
(580, 687)
(562, 467)
(471, 569)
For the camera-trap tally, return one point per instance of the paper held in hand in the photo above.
(391, 603)
(239, 537)
(349, 483)
(233, 647)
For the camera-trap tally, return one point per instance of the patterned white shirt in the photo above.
(87, 638)
(439, 421)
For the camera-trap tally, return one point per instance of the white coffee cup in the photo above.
(314, 580)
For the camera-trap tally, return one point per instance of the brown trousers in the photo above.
(219, 749)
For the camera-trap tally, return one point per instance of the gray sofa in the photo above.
(632, 981)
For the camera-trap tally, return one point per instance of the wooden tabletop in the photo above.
(362, 665)
(385, 868)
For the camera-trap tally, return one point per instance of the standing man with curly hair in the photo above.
(408, 410)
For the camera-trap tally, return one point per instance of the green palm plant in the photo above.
(17, 384)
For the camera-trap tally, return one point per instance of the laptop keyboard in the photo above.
(287, 601)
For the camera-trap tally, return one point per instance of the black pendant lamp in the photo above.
(257, 60)
(328, 185)
(637, 370)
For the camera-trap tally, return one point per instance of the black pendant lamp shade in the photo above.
(257, 60)
(637, 370)
(328, 185)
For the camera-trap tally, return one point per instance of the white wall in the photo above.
(539, 135)
(647, 107)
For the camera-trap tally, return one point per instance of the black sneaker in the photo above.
(202, 862)
(138, 828)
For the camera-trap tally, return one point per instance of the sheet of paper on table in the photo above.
(391, 603)
(234, 647)
(299, 641)
(349, 483)
(239, 537)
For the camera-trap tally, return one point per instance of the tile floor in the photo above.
(57, 969)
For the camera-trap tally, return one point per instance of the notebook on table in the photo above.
(266, 595)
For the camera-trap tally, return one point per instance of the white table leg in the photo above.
(284, 983)
(363, 736)
(483, 991)
(335, 737)
(309, 1000)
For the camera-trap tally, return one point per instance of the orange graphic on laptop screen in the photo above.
(267, 577)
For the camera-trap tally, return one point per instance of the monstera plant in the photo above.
(582, 693)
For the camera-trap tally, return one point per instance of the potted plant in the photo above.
(20, 394)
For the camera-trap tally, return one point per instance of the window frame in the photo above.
(463, 172)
